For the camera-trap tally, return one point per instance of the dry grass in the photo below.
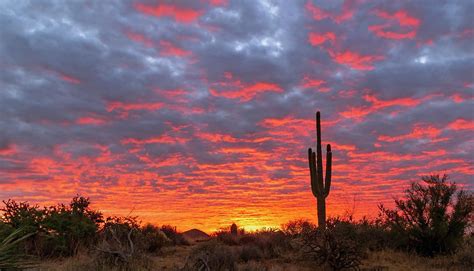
(174, 258)
(393, 260)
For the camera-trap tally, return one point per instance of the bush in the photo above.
(153, 239)
(70, 227)
(213, 256)
(123, 242)
(173, 235)
(335, 246)
(227, 238)
(339, 250)
(62, 230)
(432, 218)
(251, 252)
(59, 230)
(21, 214)
(371, 235)
(118, 244)
(273, 243)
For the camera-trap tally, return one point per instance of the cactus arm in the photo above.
(327, 185)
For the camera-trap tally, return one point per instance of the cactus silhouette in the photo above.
(319, 188)
(233, 229)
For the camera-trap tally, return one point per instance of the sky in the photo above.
(200, 113)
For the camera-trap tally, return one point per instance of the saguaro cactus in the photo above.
(233, 229)
(320, 190)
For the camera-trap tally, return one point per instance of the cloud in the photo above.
(400, 18)
(180, 14)
(355, 60)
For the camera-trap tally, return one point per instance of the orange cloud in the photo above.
(90, 121)
(183, 15)
(316, 39)
(379, 30)
(245, 92)
(400, 18)
(319, 14)
(215, 137)
(308, 82)
(377, 104)
(8, 150)
(166, 139)
(418, 132)
(461, 124)
(111, 106)
(218, 2)
(355, 60)
(169, 49)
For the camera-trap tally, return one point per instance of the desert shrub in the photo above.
(296, 228)
(22, 214)
(152, 238)
(340, 250)
(69, 227)
(371, 235)
(247, 239)
(123, 242)
(251, 252)
(273, 243)
(213, 256)
(18, 215)
(227, 238)
(334, 246)
(59, 230)
(432, 217)
(173, 235)
(118, 241)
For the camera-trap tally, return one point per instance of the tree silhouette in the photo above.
(432, 217)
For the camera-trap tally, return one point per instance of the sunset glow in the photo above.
(200, 113)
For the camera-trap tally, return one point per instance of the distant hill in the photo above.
(195, 235)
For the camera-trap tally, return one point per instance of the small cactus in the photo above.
(233, 229)
(320, 190)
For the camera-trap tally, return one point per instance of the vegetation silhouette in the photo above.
(319, 188)
(432, 219)
(233, 229)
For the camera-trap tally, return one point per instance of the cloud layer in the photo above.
(199, 113)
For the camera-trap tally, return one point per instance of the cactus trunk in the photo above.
(319, 188)
(321, 212)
